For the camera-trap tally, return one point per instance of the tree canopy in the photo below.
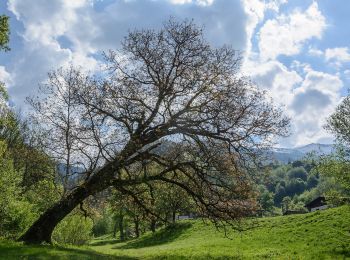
(167, 101)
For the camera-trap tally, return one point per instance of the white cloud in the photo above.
(276, 78)
(61, 32)
(308, 97)
(315, 52)
(314, 101)
(347, 74)
(337, 56)
(198, 2)
(5, 77)
(180, 2)
(286, 34)
(255, 10)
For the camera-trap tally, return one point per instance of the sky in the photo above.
(297, 50)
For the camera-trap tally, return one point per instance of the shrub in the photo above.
(103, 225)
(74, 229)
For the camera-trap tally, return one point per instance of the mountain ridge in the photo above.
(286, 155)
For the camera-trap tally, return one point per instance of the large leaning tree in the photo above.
(166, 101)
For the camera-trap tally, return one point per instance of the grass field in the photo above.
(319, 235)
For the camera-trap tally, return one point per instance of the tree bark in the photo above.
(137, 228)
(121, 226)
(42, 229)
(153, 225)
(115, 229)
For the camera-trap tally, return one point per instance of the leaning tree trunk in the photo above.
(42, 228)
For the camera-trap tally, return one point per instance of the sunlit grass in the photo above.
(318, 235)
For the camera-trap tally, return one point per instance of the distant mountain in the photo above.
(285, 155)
(317, 148)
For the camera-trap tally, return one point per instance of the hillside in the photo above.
(318, 235)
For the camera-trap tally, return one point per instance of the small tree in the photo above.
(286, 203)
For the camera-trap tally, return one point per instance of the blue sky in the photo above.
(298, 50)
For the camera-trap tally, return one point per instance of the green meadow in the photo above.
(319, 235)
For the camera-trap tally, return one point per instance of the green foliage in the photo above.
(42, 194)
(103, 224)
(337, 166)
(298, 172)
(286, 203)
(15, 212)
(295, 186)
(74, 229)
(4, 33)
(266, 200)
(312, 181)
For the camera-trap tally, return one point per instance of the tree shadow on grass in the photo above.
(163, 236)
(343, 253)
(106, 242)
(18, 251)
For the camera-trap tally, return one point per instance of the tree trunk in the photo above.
(115, 229)
(174, 216)
(42, 229)
(137, 228)
(121, 227)
(153, 225)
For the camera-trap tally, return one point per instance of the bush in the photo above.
(103, 225)
(74, 229)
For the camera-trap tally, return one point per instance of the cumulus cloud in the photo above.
(287, 33)
(315, 52)
(337, 56)
(5, 77)
(255, 10)
(314, 101)
(347, 74)
(198, 2)
(307, 96)
(61, 32)
(276, 78)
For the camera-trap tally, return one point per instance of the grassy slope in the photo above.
(323, 234)
(319, 235)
